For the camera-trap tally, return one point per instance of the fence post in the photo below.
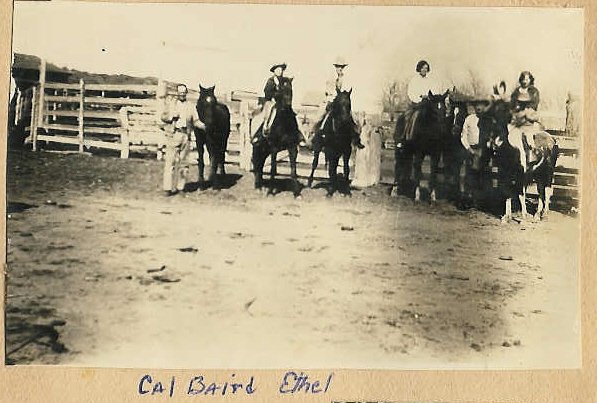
(81, 114)
(368, 160)
(40, 106)
(124, 137)
(33, 124)
(245, 137)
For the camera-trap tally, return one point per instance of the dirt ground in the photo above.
(104, 270)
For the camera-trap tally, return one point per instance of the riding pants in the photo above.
(176, 165)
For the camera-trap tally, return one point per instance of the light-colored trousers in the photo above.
(176, 164)
(262, 117)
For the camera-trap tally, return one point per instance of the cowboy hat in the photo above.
(340, 62)
(275, 66)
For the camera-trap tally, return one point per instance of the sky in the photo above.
(233, 45)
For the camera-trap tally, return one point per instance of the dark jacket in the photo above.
(271, 88)
(533, 93)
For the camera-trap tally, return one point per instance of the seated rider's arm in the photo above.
(270, 89)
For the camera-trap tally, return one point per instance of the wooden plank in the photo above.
(103, 144)
(88, 114)
(61, 86)
(65, 128)
(61, 98)
(142, 110)
(122, 87)
(105, 130)
(88, 129)
(58, 139)
(119, 101)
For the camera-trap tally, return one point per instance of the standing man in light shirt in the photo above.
(475, 145)
(181, 118)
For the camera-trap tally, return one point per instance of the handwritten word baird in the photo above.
(198, 386)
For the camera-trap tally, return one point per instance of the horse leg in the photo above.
(508, 211)
(523, 205)
(346, 161)
(418, 163)
(259, 158)
(292, 154)
(548, 194)
(434, 159)
(272, 172)
(313, 167)
(200, 163)
(333, 175)
(541, 205)
(213, 168)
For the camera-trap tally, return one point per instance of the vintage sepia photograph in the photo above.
(294, 186)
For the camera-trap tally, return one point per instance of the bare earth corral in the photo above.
(125, 276)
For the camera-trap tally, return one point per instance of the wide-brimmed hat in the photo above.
(275, 66)
(340, 62)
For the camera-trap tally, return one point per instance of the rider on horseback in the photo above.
(524, 101)
(419, 88)
(268, 109)
(333, 86)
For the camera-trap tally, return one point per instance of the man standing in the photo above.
(181, 117)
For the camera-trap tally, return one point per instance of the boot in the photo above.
(357, 143)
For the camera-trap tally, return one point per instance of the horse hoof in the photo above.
(394, 191)
(310, 183)
(329, 195)
(506, 219)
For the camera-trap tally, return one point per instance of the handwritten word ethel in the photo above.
(296, 383)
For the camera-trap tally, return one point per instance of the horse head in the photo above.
(434, 108)
(500, 113)
(342, 106)
(206, 104)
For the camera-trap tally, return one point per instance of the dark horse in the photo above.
(429, 138)
(283, 135)
(216, 117)
(336, 140)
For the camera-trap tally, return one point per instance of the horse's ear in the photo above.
(350, 91)
(201, 89)
(212, 88)
(430, 93)
(290, 79)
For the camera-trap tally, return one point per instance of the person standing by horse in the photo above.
(181, 117)
(473, 139)
(341, 82)
(525, 101)
(268, 109)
